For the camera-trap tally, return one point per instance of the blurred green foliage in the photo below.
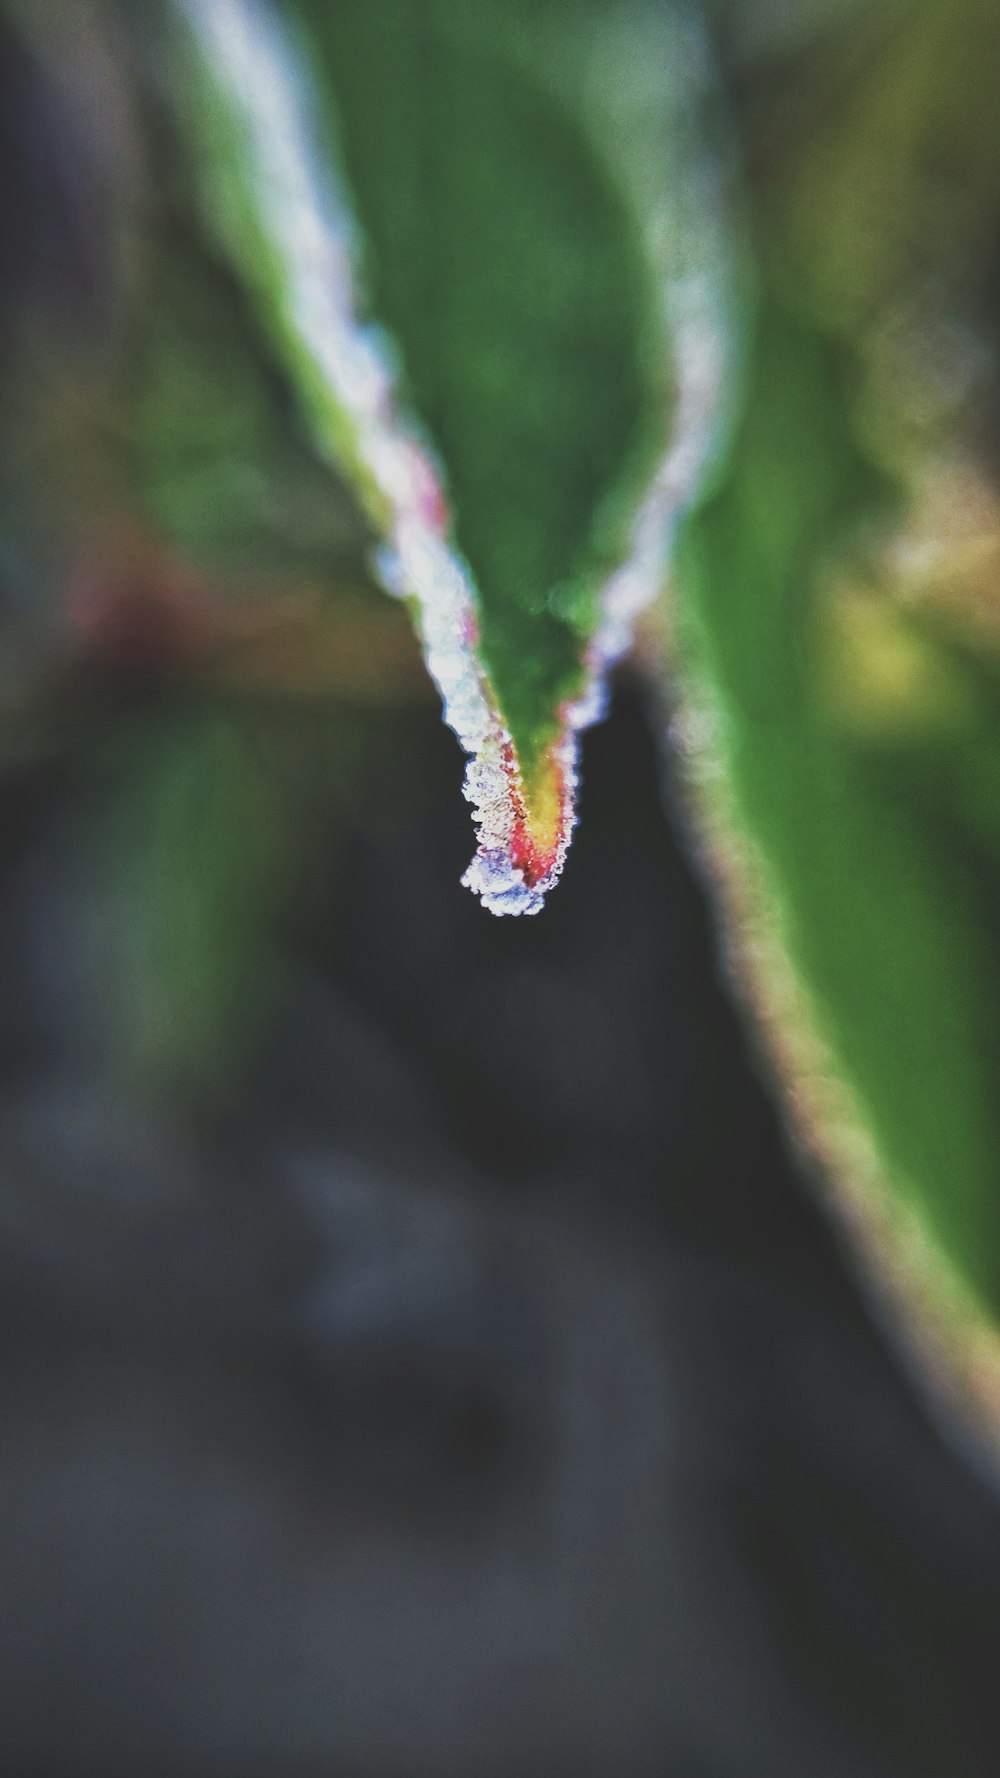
(190, 855)
(219, 456)
(837, 600)
(882, 894)
(527, 188)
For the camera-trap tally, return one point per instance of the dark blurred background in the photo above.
(462, 1380)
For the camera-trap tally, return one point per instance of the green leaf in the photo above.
(862, 859)
(514, 223)
(512, 276)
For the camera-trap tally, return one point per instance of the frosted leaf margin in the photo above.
(254, 65)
